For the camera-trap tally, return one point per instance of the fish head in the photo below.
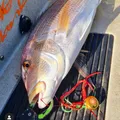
(39, 73)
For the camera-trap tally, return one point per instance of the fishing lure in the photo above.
(87, 102)
(91, 103)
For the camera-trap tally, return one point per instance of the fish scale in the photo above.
(45, 25)
(56, 41)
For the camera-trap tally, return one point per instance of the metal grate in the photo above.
(100, 48)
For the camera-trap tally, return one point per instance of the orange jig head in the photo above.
(91, 103)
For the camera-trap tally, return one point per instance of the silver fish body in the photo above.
(54, 45)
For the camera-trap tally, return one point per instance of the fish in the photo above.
(54, 45)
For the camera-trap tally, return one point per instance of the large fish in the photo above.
(54, 45)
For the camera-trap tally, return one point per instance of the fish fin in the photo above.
(81, 66)
(64, 19)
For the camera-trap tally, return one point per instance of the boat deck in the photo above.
(107, 20)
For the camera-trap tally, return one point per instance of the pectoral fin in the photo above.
(80, 65)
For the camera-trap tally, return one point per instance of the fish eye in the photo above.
(26, 64)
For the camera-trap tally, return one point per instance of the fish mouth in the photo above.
(42, 93)
(37, 92)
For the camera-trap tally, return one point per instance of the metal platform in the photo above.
(98, 59)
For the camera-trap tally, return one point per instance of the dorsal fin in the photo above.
(64, 18)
